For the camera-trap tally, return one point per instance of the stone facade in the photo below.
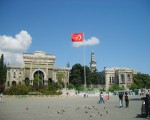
(37, 64)
(121, 76)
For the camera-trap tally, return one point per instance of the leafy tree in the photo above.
(60, 76)
(3, 71)
(77, 75)
(134, 86)
(142, 80)
(115, 87)
(53, 87)
(88, 75)
(96, 77)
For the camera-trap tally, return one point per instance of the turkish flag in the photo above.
(77, 37)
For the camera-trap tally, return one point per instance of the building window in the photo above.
(112, 79)
(129, 77)
(14, 74)
(109, 79)
(122, 78)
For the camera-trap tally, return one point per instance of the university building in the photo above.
(42, 66)
(38, 65)
(121, 76)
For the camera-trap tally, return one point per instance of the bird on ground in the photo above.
(58, 112)
(86, 111)
(63, 110)
(27, 108)
(90, 115)
(107, 112)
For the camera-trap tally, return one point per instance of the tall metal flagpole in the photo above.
(84, 65)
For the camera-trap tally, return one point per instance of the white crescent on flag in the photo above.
(77, 37)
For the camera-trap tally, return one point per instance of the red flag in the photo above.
(77, 37)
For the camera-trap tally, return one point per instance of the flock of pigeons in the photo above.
(87, 110)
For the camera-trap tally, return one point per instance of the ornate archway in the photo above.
(38, 77)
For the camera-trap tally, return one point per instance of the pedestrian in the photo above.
(101, 98)
(121, 99)
(1, 98)
(126, 98)
(147, 105)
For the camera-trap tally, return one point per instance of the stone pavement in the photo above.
(68, 108)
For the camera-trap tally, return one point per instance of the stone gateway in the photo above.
(38, 69)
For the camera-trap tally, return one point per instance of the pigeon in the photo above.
(63, 110)
(58, 112)
(86, 111)
(107, 112)
(27, 108)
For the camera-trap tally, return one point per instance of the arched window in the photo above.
(8, 84)
(27, 81)
(14, 83)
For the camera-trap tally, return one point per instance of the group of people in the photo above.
(101, 98)
(126, 99)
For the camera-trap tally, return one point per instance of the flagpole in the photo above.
(84, 65)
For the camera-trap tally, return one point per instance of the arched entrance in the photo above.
(14, 83)
(27, 81)
(38, 78)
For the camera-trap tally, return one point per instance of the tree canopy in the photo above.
(3, 72)
(77, 76)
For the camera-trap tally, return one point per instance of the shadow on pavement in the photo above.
(140, 116)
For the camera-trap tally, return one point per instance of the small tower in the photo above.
(93, 62)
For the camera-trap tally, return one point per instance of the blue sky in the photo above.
(121, 26)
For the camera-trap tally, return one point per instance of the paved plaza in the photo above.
(68, 108)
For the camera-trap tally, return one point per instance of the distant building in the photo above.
(93, 62)
(37, 65)
(121, 76)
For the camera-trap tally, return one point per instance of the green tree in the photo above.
(96, 78)
(115, 87)
(60, 76)
(77, 75)
(36, 79)
(142, 80)
(3, 72)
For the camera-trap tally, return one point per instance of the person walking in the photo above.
(1, 98)
(147, 105)
(126, 98)
(101, 98)
(121, 99)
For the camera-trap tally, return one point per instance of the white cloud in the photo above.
(13, 47)
(89, 42)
